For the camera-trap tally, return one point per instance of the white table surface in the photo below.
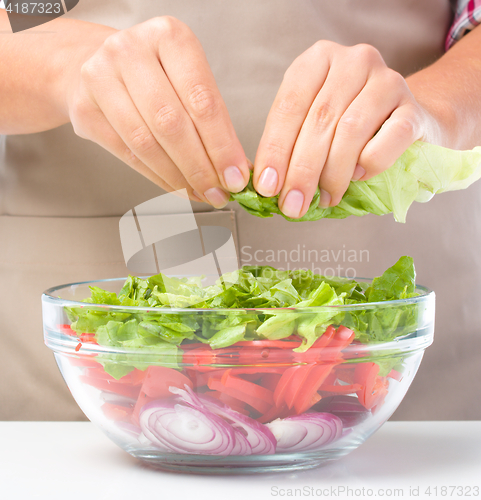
(74, 460)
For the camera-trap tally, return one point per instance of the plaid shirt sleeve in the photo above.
(466, 18)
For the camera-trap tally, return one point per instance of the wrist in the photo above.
(77, 48)
(442, 119)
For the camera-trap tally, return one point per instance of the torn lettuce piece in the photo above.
(421, 172)
(262, 303)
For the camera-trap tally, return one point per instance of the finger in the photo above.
(188, 109)
(368, 111)
(170, 126)
(296, 94)
(403, 128)
(314, 141)
(150, 134)
(116, 105)
(190, 74)
(102, 133)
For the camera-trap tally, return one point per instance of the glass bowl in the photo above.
(255, 406)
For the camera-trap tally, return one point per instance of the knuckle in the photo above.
(80, 114)
(197, 176)
(118, 43)
(404, 126)
(169, 27)
(334, 183)
(306, 170)
(393, 79)
(290, 103)
(323, 116)
(366, 53)
(88, 71)
(142, 141)
(372, 162)
(168, 121)
(276, 151)
(203, 102)
(322, 46)
(352, 124)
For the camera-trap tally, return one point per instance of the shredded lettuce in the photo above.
(286, 296)
(421, 172)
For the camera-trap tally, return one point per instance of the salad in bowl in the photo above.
(265, 370)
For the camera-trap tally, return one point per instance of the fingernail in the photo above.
(234, 179)
(217, 197)
(268, 182)
(293, 202)
(359, 173)
(325, 199)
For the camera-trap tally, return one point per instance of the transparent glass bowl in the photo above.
(255, 406)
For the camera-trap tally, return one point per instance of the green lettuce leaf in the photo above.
(421, 172)
(290, 302)
(387, 322)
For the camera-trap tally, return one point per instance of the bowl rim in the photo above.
(62, 343)
(427, 294)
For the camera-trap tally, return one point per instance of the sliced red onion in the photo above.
(129, 428)
(184, 429)
(117, 399)
(347, 408)
(260, 438)
(242, 446)
(258, 435)
(306, 432)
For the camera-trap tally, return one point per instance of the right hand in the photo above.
(148, 96)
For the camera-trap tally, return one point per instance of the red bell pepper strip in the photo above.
(233, 403)
(241, 370)
(258, 404)
(366, 375)
(342, 338)
(247, 387)
(379, 394)
(156, 385)
(117, 412)
(315, 352)
(142, 400)
(114, 387)
(201, 358)
(273, 413)
(340, 389)
(308, 392)
(395, 375)
(65, 329)
(158, 379)
(135, 377)
(283, 384)
(270, 380)
(281, 344)
(296, 384)
(86, 360)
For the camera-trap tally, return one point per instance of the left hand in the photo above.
(322, 126)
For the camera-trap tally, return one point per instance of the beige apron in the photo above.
(61, 197)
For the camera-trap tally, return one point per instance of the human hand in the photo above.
(148, 96)
(321, 129)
